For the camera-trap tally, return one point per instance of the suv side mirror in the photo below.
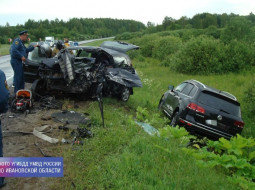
(170, 87)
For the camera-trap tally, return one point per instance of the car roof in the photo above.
(95, 49)
(214, 90)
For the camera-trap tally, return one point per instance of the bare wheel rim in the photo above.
(174, 120)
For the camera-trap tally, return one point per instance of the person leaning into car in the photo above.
(4, 96)
(18, 55)
(59, 46)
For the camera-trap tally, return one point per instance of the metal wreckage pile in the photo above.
(86, 77)
(82, 75)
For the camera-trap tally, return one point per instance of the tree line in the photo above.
(208, 49)
(87, 28)
(198, 21)
(74, 29)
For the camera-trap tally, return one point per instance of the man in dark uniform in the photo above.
(18, 55)
(4, 96)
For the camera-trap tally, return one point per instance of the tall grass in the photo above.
(4, 49)
(123, 156)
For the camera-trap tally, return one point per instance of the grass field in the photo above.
(123, 156)
(4, 49)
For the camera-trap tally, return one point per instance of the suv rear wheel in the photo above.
(175, 119)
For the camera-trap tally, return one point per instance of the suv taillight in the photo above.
(239, 124)
(196, 108)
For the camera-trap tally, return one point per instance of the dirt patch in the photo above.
(18, 141)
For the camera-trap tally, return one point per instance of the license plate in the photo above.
(211, 122)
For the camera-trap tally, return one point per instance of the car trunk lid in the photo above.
(118, 46)
(220, 112)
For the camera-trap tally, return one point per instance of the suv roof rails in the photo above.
(199, 83)
(224, 93)
(228, 95)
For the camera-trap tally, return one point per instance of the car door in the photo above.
(171, 101)
(185, 96)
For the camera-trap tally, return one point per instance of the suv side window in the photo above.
(193, 91)
(180, 87)
(187, 89)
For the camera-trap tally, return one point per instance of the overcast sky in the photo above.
(18, 11)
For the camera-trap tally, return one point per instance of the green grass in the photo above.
(123, 156)
(4, 49)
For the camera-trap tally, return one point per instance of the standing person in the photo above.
(66, 42)
(19, 55)
(4, 96)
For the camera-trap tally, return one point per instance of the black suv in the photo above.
(202, 110)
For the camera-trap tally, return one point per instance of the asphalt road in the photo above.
(5, 65)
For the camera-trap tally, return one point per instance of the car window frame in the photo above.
(194, 86)
(175, 89)
(186, 87)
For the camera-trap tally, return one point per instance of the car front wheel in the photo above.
(124, 95)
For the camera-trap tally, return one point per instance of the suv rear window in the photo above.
(219, 102)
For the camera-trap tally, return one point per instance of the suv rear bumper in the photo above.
(205, 130)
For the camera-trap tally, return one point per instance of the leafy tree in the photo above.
(239, 28)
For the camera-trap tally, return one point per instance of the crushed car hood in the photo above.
(123, 77)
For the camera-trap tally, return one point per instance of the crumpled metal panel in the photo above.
(66, 65)
(123, 77)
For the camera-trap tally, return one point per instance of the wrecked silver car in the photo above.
(83, 70)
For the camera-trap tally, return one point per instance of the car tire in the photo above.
(124, 94)
(38, 88)
(175, 119)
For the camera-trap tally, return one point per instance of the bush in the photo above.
(239, 56)
(236, 157)
(201, 55)
(128, 35)
(213, 31)
(146, 43)
(166, 46)
(205, 55)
